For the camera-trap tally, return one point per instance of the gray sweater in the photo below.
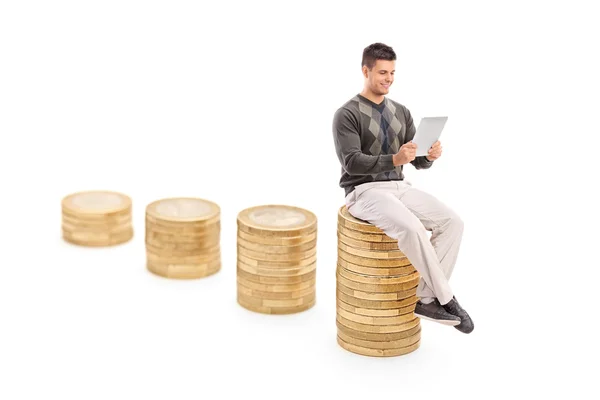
(366, 137)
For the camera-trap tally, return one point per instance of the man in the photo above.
(372, 137)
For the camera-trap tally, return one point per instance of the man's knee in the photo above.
(411, 227)
(455, 223)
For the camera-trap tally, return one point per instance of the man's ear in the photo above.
(365, 71)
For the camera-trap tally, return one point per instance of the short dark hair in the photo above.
(377, 51)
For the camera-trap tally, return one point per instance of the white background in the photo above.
(234, 102)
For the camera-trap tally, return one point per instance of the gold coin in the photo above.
(96, 203)
(277, 272)
(95, 221)
(182, 210)
(378, 288)
(378, 352)
(255, 301)
(373, 262)
(369, 320)
(373, 312)
(179, 252)
(360, 244)
(377, 296)
(277, 241)
(97, 218)
(376, 280)
(367, 237)
(275, 295)
(276, 280)
(100, 231)
(376, 304)
(378, 255)
(182, 246)
(287, 257)
(378, 337)
(184, 271)
(184, 231)
(377, 272)
(277, 264)
(378, 328)
(270, 249)
(181, 238)
(186, 228)
(275, 310)
(277, 221)
(186, 258)
(97, 239)
(277, 288)
(370, 344)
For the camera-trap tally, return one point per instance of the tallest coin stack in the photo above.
(376, 292)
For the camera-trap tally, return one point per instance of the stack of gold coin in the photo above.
(183, 238)
(96, 218)
(376, 292)
(276, 259)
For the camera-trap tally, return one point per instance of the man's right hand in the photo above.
(406, 154)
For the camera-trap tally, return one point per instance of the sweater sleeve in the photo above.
(420, 162)
(348, 147)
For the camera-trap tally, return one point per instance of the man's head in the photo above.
(378, 67)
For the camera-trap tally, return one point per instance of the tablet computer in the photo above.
(428, 132)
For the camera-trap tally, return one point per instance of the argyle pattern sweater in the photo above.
(367, 135)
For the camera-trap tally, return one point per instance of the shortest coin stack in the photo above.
(277, 256)
(183, 238)
(376, 292)
(96, 218)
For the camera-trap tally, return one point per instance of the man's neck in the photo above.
(375, 98)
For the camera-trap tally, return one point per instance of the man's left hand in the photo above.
(434, 152)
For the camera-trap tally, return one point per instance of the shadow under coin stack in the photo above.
(376, 292)
(183, 238)
(277, 259)
(96, 218)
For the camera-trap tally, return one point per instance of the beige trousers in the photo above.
(406, 214)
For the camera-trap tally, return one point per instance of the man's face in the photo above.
(381, 77)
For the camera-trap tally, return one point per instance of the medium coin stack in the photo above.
(96, 218)
(376, 292)
(276, 259)
(183, 238)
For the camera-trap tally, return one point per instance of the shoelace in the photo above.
(452, 307)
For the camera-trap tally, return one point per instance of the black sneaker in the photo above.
(435, 312)
(466, 324)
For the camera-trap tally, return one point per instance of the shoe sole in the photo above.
(447, 322)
